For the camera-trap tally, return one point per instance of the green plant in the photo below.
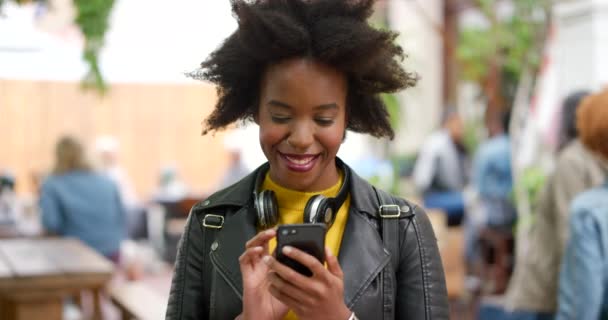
(393, 108)
(528, 187)
(92, 18)
(495, 55)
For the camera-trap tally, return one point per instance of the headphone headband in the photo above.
(337, 202)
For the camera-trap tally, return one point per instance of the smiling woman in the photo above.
(306, 71)
(302, 119)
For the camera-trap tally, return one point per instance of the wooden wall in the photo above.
(156, 124)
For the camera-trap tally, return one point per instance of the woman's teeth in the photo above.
(300, 161)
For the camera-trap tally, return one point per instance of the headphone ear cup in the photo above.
(267, 209)
(318, 210)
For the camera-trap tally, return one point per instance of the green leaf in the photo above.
(92, 17)
(392, 106)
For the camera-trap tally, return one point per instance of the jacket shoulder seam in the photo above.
(186, 246)
(422, 254)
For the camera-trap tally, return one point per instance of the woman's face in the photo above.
(302, 119)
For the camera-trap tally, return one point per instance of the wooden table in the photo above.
(37, 274)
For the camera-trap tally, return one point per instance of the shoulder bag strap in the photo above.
(211, 224)
(389, 213)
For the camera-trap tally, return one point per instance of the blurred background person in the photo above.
(441, 170)
(8, 199)
(171, 188)
(77, 202)
(568, 124)
(19, 214)
(532, 290)
(236, 168)
(583, 284)
(492, 176)
(107, 153)
(492, 184)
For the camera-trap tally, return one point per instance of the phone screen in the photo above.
(308, 237)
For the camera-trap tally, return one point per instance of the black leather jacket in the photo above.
(215, 291)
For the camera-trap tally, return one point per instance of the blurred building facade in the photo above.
(422, 105)
(581, 44)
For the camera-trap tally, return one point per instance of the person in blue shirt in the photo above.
(583, 281)
(492, 183)
(492, 176)
(78, 202)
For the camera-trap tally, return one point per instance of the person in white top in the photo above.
(107, 151)
(441, 170)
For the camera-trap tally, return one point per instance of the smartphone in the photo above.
(308, 237)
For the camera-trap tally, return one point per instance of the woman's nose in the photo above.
(301, 136)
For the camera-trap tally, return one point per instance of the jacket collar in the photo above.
(362, 255)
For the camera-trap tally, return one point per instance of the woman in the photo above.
(533, 287)
(77, 202)
(305, 71)
(583, 279)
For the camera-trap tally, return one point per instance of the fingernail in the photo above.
(266, 259)
(287, 249)
(269, 232)
(329, 253)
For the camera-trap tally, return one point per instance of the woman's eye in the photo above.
(279, 119)
(325, 122)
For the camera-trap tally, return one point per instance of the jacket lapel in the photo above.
(362, 256)
(237, 230)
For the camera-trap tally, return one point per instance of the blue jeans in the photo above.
(451, 202)
(495, 213)
(492, 312)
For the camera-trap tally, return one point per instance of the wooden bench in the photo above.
(138, 301)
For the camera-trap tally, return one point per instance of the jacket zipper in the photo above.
(222, 271)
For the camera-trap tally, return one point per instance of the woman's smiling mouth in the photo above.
(299, 163)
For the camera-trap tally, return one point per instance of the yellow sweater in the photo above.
(291, 210)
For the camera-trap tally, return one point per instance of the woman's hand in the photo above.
(258, 303)
(318, 297)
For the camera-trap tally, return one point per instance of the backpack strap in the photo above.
(390, 213)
